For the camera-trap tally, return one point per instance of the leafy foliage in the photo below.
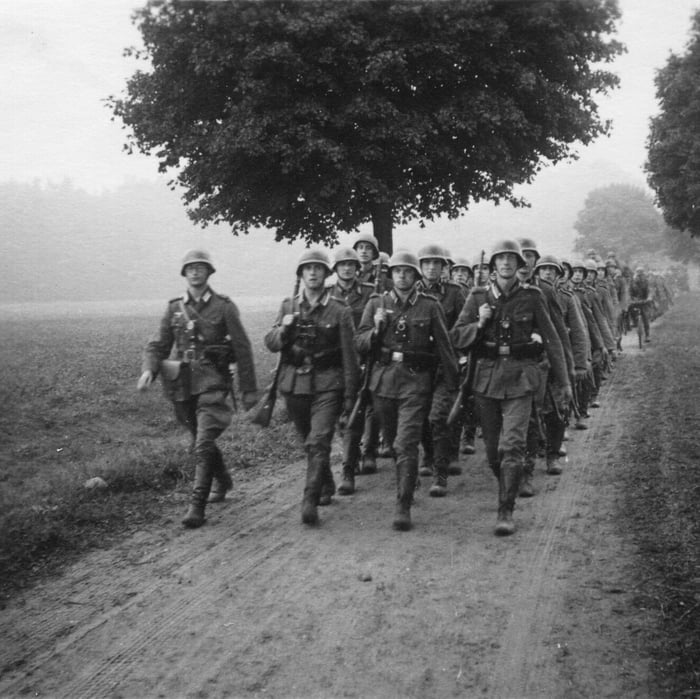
(673, 164)
(623, 218)
(315, 116)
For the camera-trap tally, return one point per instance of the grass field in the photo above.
(71, 412)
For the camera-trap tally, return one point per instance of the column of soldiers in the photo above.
(422, 352)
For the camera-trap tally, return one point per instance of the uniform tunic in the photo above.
(206, 336)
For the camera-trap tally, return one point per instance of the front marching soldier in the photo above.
(407, 334)
(319, 372)
(508, 328)
(200, 336)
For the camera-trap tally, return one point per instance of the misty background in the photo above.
(63, 243)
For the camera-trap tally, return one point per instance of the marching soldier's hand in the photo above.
(380, 316)
(348, 405)
(568, 395)
(580, 374)
(288, 320)
(145, 380)
(485, 312)
(250, 400)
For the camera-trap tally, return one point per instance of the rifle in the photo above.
(465, 387)
(363, 396)
(263, 410)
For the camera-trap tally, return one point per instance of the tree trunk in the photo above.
(382, 224)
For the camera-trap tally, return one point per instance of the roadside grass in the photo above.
(662, 495)
(70, 412)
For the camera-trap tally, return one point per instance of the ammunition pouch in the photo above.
(176, 379)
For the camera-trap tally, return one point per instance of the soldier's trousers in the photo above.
(205, 416)
(504, 424)
(314, 417)
(402, 422)
(437, 436)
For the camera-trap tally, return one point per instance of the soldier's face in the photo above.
(431, 269)
(346, 271)
(365, 252)
(548, 273)
(591, 276)
(460, 275)
(313, 275)
(530, 258)
(577, 275)
(403, 277)
(506, 265)
(197, 274)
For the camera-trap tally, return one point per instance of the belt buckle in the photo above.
(503, 350)
(305, 368)
(397, 356)
(189, 355)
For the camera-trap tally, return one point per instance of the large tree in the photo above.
(315, 116)
(673, 164)
(622, 218)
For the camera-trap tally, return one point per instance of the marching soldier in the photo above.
(508, 326)
(406, 330)
(348, 288)
(367, 249)
(546, 404)
(438, 447)
(202, 334)
(319, 373)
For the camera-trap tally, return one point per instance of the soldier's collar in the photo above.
(204, 298)
(412, 296)
(323, 300)
(498, 292)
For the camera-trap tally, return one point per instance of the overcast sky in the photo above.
(61, 58)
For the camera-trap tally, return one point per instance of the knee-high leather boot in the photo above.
(221, 479)
(507, 492)
(312, 488)
(200, 492)
(406, 475)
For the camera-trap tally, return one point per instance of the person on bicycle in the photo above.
(640, 293)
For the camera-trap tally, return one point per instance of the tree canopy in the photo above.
(622, 218)
(312, 117)
(673, 164)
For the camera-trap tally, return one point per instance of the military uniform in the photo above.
(407, 354)
(506, 375)
(440, 444)
(319, 377)
(356, 297)
(203, 337)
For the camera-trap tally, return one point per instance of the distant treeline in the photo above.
(59, 242)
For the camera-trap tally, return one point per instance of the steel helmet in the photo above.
(577, 264)
(504, 246)
(314, 255)
(367, 238)
(565, 262)
(460, 261)
(346, 254)
(549, 261)
(383, 258)
(433, 252)
(611, 262)
(448, 256)
(590, 265)
(404, 258)
(193, 256)
(528, 245)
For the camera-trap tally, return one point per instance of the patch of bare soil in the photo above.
(255, 604)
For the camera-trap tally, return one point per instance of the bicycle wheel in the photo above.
(640, 330)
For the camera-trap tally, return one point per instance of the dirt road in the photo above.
(254, 604)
